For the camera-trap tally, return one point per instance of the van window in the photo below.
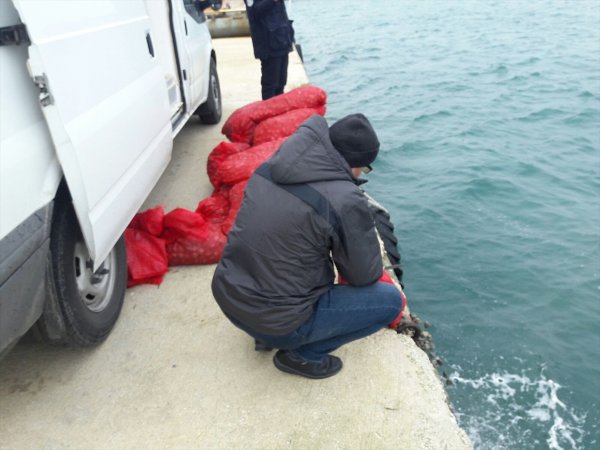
(193, 9)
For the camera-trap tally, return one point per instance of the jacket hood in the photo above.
(308, 156)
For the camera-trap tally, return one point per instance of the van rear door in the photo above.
(104, 97)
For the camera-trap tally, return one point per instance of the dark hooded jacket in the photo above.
(270, 28)
(277, 261)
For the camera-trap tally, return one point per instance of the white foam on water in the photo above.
(517, 405)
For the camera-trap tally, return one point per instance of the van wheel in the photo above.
(89, 303)
(210, 111)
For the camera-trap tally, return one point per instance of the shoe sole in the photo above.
(288, 369)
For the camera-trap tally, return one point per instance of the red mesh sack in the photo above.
(150, 221)
(146, 258)
(204, 246)
(179, 222)
(218, 155)
(385, 278)
(191, 240)
(215, 208)
(242, 165)
(236, 196)
(240, 126)
(283, 125)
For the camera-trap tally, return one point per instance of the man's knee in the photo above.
(391, 297)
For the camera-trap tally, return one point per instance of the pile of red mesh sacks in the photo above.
(156, 240)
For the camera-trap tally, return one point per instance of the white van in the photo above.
(92, 94)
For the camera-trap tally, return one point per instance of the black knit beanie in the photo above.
(354, 137)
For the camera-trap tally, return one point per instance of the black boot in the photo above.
(287, 361)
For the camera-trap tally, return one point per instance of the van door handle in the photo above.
(150, 46)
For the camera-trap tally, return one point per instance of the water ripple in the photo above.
(433, 116)
(542, 114)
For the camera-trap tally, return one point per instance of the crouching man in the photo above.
(301, 209)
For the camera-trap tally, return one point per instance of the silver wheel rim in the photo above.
(95, 288)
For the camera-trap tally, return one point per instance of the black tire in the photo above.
(211, 110)
(89, 303)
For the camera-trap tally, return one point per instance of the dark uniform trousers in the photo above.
(274, 75)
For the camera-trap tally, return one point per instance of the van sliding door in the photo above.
(164, 45)
(196, 52)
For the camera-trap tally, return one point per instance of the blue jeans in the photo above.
(341, 315)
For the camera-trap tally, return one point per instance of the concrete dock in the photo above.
(176, 374)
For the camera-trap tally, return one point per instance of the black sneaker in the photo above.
(288, 362)
(260, 346)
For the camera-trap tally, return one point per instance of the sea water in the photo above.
(488, 113)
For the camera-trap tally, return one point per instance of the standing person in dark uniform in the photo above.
(303, 212)
(272, 39)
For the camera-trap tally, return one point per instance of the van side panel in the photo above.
(106, 106)
(29, 170)
(22, 276)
